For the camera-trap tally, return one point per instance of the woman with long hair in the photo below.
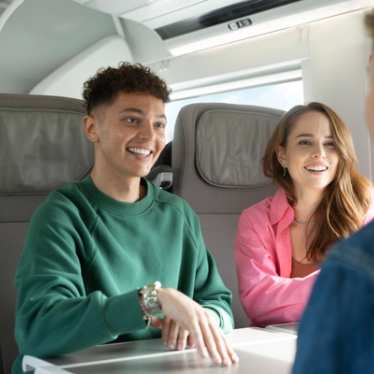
(321, 198)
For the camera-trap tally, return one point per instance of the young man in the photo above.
(336, 334)
(93, 245)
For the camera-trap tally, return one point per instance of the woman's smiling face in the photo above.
(310, 154)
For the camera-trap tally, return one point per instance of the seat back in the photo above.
(217, 167)
(42, 145)
(161, 173)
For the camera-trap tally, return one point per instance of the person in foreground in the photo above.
(336, 334)
(93, 245)
(321, 198)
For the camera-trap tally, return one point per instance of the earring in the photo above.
(284, 171)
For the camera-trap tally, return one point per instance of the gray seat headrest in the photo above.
(227, 143)
(42, 143)
(230, 144)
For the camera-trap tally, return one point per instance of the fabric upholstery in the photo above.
(228, 150)
(41, 147)
(216, 161)
(27, 164)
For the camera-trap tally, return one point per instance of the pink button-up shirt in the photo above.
(263, 256)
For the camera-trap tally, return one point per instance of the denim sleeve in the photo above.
(336, 333)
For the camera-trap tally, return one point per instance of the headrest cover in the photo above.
(230, 145)
(42, 144)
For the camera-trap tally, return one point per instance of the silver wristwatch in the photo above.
(148, 298)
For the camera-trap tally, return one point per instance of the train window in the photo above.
(278, 94)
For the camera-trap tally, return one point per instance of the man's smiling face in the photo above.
(129, 134)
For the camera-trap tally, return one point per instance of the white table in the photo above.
(263, 351)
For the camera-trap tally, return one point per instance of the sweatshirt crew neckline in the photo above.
(116, 207)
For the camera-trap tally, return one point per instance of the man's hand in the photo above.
(186, 319)
(173, 335)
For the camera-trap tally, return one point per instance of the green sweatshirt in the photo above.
(85, 257)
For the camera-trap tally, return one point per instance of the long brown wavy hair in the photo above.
(346, 199)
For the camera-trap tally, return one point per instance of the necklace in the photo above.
(299, 222)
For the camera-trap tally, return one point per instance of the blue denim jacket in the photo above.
(336, 333)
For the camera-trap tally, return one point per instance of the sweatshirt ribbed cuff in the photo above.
(123, 313)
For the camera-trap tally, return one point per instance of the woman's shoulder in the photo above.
(260, 208)
(264, 208)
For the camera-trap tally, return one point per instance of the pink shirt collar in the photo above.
(281, 217)
(280, 209)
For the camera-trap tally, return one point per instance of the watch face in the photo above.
(149, 300)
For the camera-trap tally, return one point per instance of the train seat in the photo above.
(216, 162)
(42, 146)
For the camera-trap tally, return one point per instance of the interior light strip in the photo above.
(271, 26)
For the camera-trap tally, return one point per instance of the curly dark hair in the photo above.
(107, 83)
